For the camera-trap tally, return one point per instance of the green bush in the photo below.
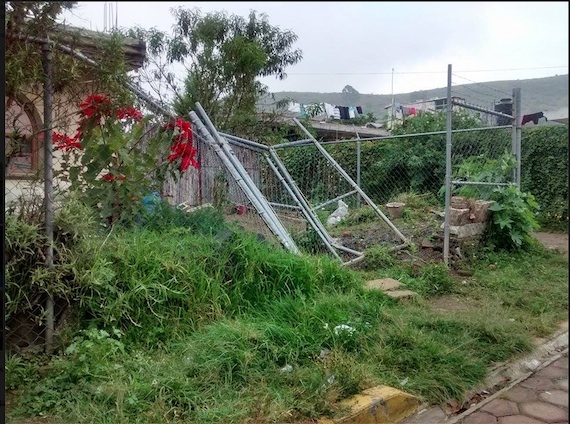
(27, 276)
(544, 172)
(513, 218)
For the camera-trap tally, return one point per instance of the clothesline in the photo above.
(330, 110)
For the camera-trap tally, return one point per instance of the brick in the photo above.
(562, 384)
(383, 284)
(480, 418)
(552, 372)
(501, 407)
(544, 411)
(458, 217)
(520, 394)
(562, 363)
(538, 383)
(556, 397)
(480, 211)
(519, 419)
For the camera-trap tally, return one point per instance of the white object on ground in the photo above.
(344, 328)
(340, 213)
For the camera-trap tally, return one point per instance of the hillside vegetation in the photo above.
(549, 95)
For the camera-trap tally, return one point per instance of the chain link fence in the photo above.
(360, 180)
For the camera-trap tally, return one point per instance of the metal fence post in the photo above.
(48, 187)
(447, 171)
(358, 152)
(518, 134)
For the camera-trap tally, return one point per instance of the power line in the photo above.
(483, 85)
(533, 100)
(422, 72)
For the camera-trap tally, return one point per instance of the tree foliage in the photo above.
(33, 16)
(224, 55)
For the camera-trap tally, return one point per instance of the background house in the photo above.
(403, 111)
(24, 153)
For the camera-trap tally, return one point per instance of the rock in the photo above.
(457, 251)
(401, 294)
(384, 284)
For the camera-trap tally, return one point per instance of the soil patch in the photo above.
(555, 241)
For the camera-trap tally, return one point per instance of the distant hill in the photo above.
(549, 95)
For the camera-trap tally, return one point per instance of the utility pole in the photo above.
(392, 115)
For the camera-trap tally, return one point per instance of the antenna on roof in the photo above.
(110, 16)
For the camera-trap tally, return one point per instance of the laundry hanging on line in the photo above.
(349, 112)
(533, 117)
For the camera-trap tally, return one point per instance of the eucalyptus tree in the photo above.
(223, 56)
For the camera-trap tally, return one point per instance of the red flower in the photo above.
(129, 112)
(182, 145)
(64, 142)
(96, 105)
(187, 161)
(184, 128)
(111, 177)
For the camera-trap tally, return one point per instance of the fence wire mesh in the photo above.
(482, 161)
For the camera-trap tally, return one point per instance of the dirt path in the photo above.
(554, 241)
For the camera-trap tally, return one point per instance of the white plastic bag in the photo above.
(340, 213)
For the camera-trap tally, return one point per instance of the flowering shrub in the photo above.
(114, 160)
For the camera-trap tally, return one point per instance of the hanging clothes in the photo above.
(351, 112)
(343, 112)
(336, 113)
(533, 117)
(359, 110)
(303, 111)
(329, 110)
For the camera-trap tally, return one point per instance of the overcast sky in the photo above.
(359, 43)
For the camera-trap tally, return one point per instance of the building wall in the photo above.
(64, 118)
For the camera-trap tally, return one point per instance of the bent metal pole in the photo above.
(274, 226)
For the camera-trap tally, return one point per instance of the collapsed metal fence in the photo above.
(286, 192)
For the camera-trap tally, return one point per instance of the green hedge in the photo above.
(544, 172)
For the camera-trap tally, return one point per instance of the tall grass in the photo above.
(233, 369)
(154, 284)
(191, 320)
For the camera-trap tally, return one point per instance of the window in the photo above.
(22, 137)
(440, 104)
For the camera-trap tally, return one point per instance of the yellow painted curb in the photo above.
(377, 405)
